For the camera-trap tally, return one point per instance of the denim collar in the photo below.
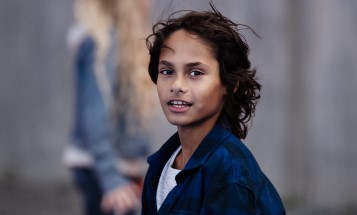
(198, 158)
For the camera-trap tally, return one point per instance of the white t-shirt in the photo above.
(167, 179)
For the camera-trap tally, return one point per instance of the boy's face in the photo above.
(188, 84)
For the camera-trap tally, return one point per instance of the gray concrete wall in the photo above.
(35, 87)
(303, 132)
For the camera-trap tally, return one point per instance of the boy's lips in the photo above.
(178, 105)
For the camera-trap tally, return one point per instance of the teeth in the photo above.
(179, 103)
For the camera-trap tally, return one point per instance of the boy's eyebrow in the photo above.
(188, 65)
(166, 63)
(196, 64)
(193, 64)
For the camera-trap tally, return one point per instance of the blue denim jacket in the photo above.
(94, 130)
(221, 177)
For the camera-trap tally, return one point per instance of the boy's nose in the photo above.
(179, 86)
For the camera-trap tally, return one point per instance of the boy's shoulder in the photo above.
(233, 162)
(236, 149)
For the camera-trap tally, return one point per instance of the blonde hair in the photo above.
(135, 90)
(135, 82)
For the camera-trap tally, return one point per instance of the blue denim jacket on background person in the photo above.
(221, 177)
(94, 131)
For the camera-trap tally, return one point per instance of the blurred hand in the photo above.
(122, 199)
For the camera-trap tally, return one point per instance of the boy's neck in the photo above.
(190, 138)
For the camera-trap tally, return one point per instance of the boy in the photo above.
(207, 89)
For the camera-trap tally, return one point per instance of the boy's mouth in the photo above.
(179, 103)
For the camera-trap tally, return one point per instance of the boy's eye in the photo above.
(166, 72)
(195, 73)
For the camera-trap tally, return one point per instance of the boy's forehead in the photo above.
(183, 48)
(181, 38)
(181, 34)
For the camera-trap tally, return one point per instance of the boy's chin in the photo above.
(176, 122)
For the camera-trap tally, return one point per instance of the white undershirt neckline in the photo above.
(167, 179)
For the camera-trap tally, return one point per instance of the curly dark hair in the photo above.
(231, 51)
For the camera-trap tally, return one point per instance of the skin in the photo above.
(189, 88)
(122, 199)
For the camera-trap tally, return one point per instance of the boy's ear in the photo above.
(236, 87)
(225, 91)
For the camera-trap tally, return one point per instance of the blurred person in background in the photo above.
(113, 95)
